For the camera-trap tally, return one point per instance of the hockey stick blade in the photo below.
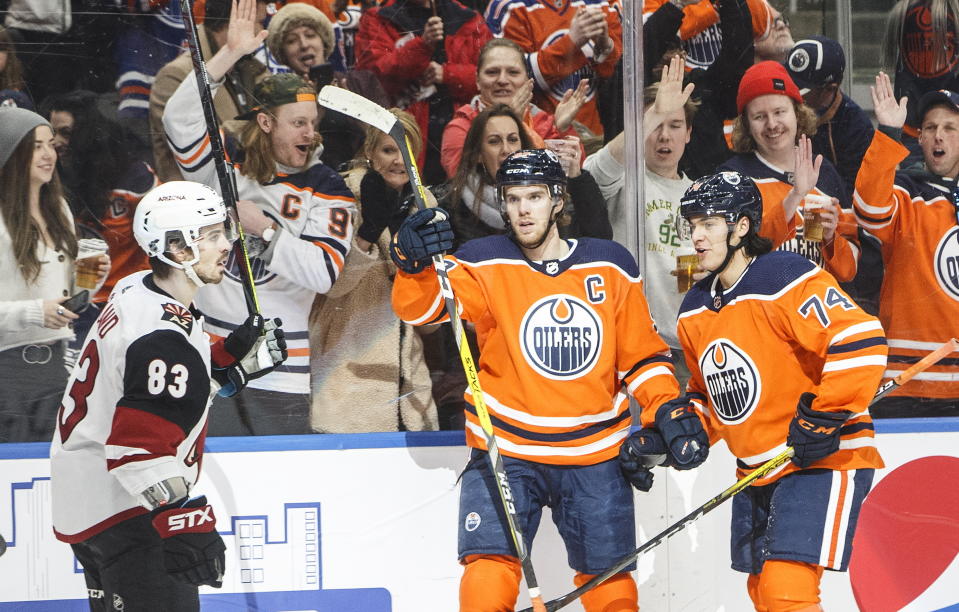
(884, 389)
(370, 113)
(356, 106)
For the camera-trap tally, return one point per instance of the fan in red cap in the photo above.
(766, 78)
(771, 140)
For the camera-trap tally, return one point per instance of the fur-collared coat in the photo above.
(367, 367)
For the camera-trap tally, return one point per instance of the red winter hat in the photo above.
(765, 78)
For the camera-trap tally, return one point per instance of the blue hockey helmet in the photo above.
(725, 194)
(531, 167)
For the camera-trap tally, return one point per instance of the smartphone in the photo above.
(78, 303)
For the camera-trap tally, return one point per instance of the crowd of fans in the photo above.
(471, 81)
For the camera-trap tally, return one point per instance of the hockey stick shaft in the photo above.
(370, 113)
(224, 171)
(780, 459)
(472, 377)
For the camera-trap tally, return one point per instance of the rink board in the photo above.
(366, 523)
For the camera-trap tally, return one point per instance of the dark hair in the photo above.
(15, 208)
(217, 15)
(100, 153)
(160, 268)
(470, 161)
(754, 244)
(11, 77)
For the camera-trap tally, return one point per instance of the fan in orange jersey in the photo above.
(779, 356)
(565, 42)
(914, 213)
(565, 338)
(701, 36)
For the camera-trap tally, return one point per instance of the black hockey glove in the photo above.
(240, 342)
(193, 551)
(683, 432)
(381, 207)
(639, 452)
(421, 236)
(261, 358)
(814, 434)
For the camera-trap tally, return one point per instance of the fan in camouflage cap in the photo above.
(278, 90)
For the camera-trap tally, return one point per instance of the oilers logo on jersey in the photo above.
(561, 337)
(732, 380)
(260, 272)
(947, 263)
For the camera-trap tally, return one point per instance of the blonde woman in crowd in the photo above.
(368, 370)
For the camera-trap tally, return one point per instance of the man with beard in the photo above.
(297, 211)
(565, 338)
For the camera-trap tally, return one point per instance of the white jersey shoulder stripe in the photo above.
(855, 362)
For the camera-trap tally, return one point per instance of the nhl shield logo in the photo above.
(947, 263)
(732, 380)
(561, 336)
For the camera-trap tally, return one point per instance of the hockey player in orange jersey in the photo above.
(565, 338)
(914, 213)
(779, 356)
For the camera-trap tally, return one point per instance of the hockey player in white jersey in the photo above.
(129, 439)
(297, 211)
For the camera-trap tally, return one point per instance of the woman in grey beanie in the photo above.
(37, 250)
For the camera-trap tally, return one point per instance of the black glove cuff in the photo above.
(370, 232)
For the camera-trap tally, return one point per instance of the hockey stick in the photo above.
(764, 469)
(224, 171)
(369, 112)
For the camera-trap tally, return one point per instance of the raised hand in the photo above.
(671, 95)
(569, 106)
(806, 174)
(888, 112)
(244, 35)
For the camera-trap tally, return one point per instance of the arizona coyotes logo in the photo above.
(561, 337)
(946, 263)
(179, 315)
(732, 380)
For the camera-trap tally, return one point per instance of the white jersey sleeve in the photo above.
(185, 128)
(134, 412)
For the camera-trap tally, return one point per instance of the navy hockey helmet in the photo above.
(725, 194)
(531, 167)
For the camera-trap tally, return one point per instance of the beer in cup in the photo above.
(687, 262)
(813, 204)
(89, 251)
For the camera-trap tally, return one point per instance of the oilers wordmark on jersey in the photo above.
(563, 344)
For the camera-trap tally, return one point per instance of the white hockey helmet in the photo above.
(171, 216)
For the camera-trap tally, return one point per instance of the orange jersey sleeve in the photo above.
(785, 328)
(697, 17)
(914, 217)
(562, 345)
